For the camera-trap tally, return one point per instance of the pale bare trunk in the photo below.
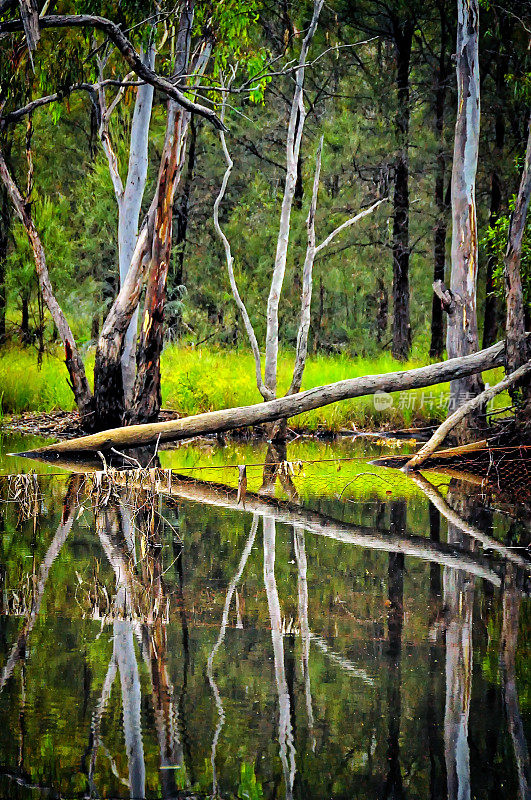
(219, 641)
(129, 213)
(293, 143)
(302, 591)
(462, 333)
(458, 600)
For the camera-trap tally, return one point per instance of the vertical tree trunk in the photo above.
(147, 400)
(459, 602)
(129, 208)
(439, 244)
(462, 334)
(403, 37)
(74, 364)
(517, 350)
(395, 618)
(24, 317)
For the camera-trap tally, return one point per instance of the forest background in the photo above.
(381, 88)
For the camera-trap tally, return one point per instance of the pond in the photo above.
(346, 632)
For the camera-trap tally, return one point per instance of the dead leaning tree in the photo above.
(267, 384)
(105, 407)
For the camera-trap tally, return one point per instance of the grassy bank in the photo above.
(205, 379)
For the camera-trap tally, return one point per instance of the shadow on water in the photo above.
(167, 637)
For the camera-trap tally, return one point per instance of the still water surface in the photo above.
(336, 637)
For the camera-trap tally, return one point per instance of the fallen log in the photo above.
(229, 419)
(467, 408)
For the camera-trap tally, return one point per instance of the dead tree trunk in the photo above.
(403, 38)
(74, 364)
(462, 335)
(516, 342)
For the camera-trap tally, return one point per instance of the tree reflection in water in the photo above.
(129, 525)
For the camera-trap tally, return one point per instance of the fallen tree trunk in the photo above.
(467, 408)
(229, 419)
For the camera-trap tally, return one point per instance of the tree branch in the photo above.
(264, 391)
(348, 223)
(120, 40)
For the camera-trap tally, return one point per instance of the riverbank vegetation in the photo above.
(188, 387)
(289, 181)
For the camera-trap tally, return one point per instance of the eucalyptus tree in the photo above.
(150, 254)
(266, 382)
(462, 333)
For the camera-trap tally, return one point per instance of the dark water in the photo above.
(161, 640)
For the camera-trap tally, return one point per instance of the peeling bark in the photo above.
(516, 342)
(462, 333)
(147, 400)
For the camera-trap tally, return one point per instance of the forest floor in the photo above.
(206, 379)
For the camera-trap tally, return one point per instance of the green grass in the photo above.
(205, 379)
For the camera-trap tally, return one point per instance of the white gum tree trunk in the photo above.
(129, 195)
(462, 333)
(129, 209)
(293, 143)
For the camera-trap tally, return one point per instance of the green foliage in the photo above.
(494, 244)
(249, 788)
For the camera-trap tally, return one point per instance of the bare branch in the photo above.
(348, 223)
(293, 142)
(59, 95)
(266, 394)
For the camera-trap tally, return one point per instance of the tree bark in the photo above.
(462, 334)
(403, 38)
(281, 408)
(73, 361)
(108, 380)
(516, 342)
(147, 400)
(129, 208)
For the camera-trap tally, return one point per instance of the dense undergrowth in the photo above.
(205, 379)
